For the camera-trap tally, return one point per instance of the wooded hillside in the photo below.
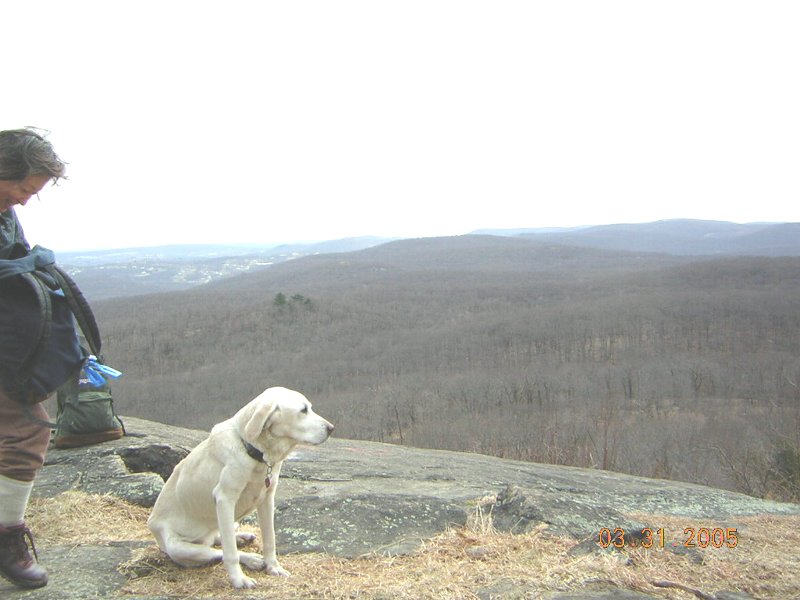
(655, 365)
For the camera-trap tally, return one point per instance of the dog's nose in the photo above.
(330, 428)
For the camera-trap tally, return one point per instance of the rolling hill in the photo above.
(661, 365)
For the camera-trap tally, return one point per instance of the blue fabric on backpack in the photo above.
(37, 258)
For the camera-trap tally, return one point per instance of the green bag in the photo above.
(85, 414)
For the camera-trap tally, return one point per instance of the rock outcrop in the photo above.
(350, 498)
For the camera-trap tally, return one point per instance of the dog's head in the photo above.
(285, 414)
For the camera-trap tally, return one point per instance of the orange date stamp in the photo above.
(693, 537)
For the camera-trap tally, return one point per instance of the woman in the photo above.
(27, 163)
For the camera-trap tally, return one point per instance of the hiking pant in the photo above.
(23, 442)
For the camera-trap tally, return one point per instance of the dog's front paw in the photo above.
(242, 581)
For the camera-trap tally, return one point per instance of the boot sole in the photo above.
(25, 583)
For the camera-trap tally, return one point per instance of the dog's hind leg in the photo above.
(252, 560)
(189, 554)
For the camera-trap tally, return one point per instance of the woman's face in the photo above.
(19, 192)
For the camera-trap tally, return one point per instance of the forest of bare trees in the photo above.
(681, 368)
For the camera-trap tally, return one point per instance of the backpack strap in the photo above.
(79, 306)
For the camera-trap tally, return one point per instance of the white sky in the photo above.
(187, 121)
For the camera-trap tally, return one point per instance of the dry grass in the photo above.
(456, 564)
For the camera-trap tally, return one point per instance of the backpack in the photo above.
(86, 410)
(39, 304)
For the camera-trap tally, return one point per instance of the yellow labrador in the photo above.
(231, 473)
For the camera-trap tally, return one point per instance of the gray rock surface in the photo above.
(350, 498)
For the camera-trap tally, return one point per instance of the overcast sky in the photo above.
(186, 121)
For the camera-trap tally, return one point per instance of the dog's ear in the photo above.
(259, 420)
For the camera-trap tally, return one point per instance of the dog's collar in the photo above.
(254, 452)
(258, 455)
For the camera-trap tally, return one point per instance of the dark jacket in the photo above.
(12, 239)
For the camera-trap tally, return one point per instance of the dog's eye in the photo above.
(304, 410)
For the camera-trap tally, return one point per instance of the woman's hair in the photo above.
(25, 152)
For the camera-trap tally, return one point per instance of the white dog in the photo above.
(231, 473)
